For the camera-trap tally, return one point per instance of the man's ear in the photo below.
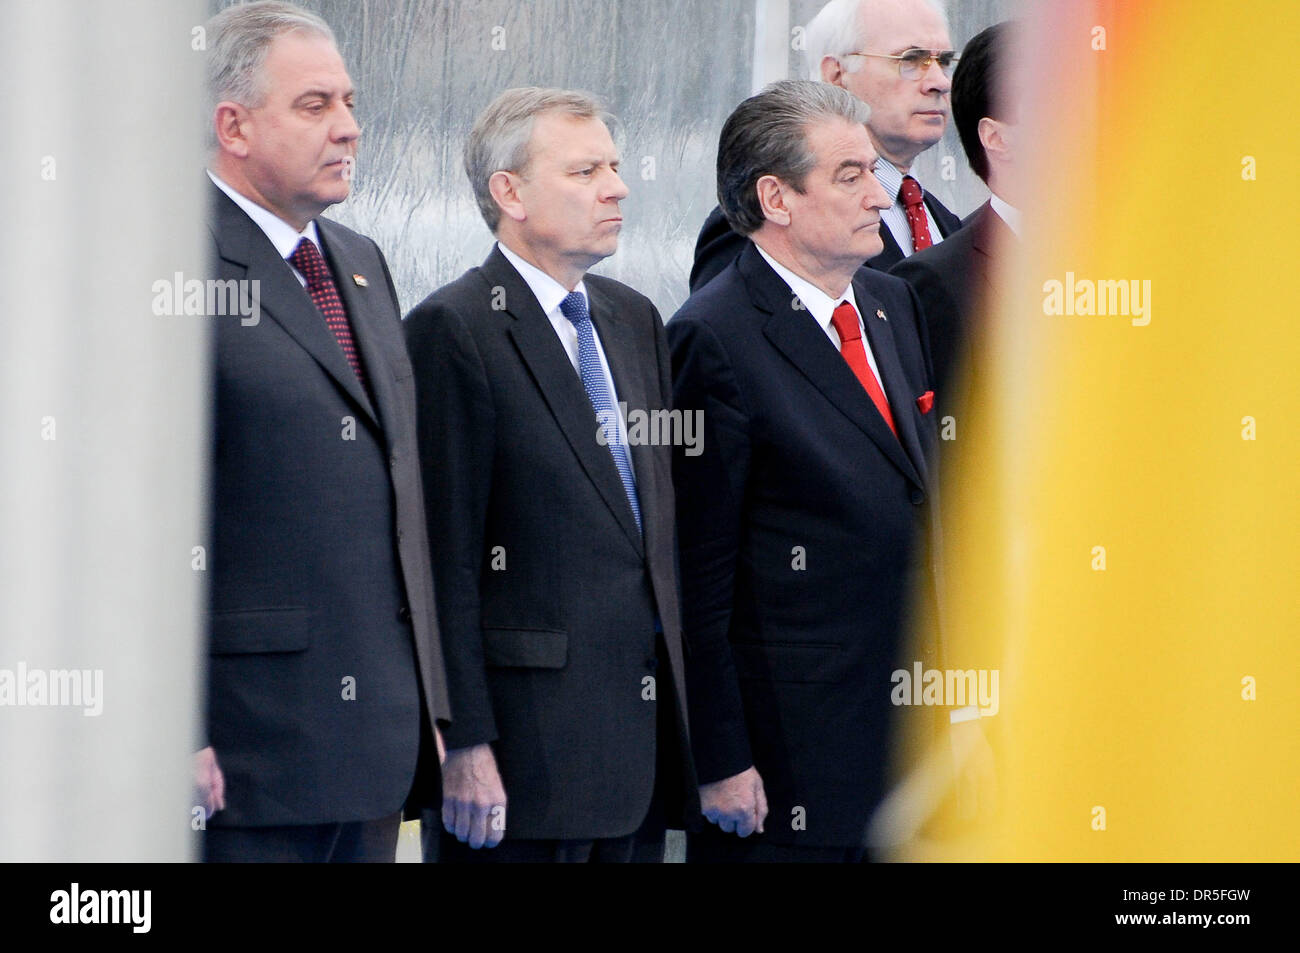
(993, 138)
(504, 187)
(230, 121)
(832, 71)
(771, 199)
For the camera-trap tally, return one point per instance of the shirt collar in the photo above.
(890, 179)
(548, 292)
(282, 235)
(1008, 213)
(819, 304)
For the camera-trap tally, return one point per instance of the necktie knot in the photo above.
(574, 307)
(308, 260)
(845, 319)
(911, 193)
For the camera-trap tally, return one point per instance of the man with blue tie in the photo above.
(552, 532)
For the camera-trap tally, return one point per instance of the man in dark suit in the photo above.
(957, 280)
(553, 529)
(803, 523)
(325, 677)
(895, 56)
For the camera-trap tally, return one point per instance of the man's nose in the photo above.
(615, 188)
(346, 127)
(933, 80)
(876, 196)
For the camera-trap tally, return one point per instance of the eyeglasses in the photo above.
(912, 64)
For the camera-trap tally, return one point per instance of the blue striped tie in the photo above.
(574, 307)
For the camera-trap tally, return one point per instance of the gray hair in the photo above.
(767, 134)
(838, 29)
(502, 132)
(238, 39)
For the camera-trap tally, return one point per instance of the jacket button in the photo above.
(918, 496)
(404, 614)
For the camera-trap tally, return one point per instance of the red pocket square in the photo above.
(925, 401)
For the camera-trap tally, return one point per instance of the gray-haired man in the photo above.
(325, 678)
(552, 522)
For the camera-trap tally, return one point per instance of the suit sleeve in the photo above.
(710, 488)
(456, 421)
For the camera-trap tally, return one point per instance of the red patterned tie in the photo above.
(845, 319)
(320, 285)
(914, 202)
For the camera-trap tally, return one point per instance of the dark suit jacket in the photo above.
(548, 594)
(718, 246)
(952, 279)
(803, 526)
(319, 565)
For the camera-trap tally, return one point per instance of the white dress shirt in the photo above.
(549, 293)
(283, 236)
(822, 307)
(1008, 213)
(895, 217)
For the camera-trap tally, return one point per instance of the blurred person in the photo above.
(553, 530)
(325, 677)
(895, 56)
(803, 523)
(954, 278)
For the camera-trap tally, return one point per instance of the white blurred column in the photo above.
(771, 42)
(103, 426)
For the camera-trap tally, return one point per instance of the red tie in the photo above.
(914, 202)
(846, 324)
(320, 285)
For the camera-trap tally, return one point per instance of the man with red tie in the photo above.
(897, 57)
(804, 520)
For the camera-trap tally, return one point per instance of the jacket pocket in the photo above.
(525, 648)
(800, 662)
(247, 631)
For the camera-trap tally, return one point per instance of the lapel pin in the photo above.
(880, 314)
(361, 280)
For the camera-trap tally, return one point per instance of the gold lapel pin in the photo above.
(880, 314)
(361, 280)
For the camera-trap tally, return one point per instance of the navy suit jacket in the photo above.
(954, 280)
(804, 528)
(323, 642)
(718, 245)
(549, 592)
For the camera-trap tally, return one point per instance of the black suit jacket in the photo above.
(548, 593)
(320, 584)
(953, 279)
(803, 528)
(718, 246)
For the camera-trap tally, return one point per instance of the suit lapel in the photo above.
(283, 299)
(796, 334)
(561, 386)
(897, 390)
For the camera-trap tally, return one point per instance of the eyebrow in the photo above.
(853, 164)
(351, 93)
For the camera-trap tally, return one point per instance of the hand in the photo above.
(473, 798)
(736, 804)
(209, 783)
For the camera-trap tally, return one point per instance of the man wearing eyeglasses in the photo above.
(895, 56)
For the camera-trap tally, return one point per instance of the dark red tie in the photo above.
(320, 285)
(845, 319)
(914, 202)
